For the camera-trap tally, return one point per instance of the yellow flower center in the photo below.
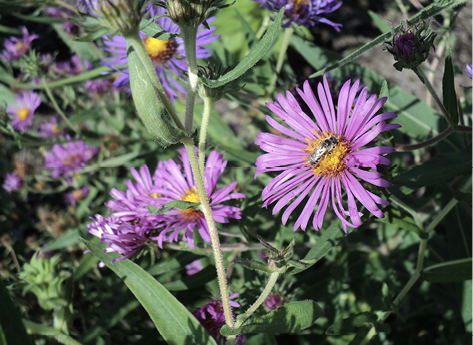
(55, 129)
(160, 51)
(155, 195)
(70, 160)
(191, 195)
(23, 113)
(78, 194)
(19, 46)
(332, 161)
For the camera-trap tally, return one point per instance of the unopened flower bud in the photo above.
(411, 45)
(191, 12)
(112, 16)
(209, 74)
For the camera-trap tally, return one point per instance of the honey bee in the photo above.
(324, 147)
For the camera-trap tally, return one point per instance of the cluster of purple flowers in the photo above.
(16, 47)
(131, 225)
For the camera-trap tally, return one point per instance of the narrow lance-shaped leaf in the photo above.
(448, 89)
(448, 272)
(173, 321)
(255, 54)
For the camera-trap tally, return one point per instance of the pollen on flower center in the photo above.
(19, 46)
(23, 113)
(155, 195)
(298, 7)
(332, 161)
(160, 51)
(78, 194)
(191, 195)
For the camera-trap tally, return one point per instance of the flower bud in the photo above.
(213, 73)
(112, 16)
(411, 45)
(191, 12)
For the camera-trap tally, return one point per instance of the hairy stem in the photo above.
(281, 56)
(190, 37)
(208, 102)
(135, 41)
(204, 199)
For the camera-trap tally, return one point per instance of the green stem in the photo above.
(264, 294)
(426, 143)
(56, 106)
(281, 56)
(204, 199)
(189, 34)
(413, 213)
(429, 86)
(135, 41)
(208, 102)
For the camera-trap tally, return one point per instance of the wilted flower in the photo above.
(16, 47)
(69, 158)
(411, 45)
(50, 129)
(167, 56)
(211, 316)
(72, 197)
(122, 237)
(12, 182)
(23, 111)
(181, 186)
(325, 155)
(304, 12)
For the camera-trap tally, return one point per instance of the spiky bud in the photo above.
(411, 45)
(213, 73)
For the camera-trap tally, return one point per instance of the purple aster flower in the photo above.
(304, 12)
(23, 111)
(211, 316)
(97, 87)
(194, 267)
(319, 159)
(168, 56)
(69, 158)
(122, 237)
(273, 301)
(12, 182)
(16, 47)
(468, 70)
(181, 186)
(50, 129)
(76, 195)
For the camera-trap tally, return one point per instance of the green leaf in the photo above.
(12, 331)
(86, 263)
(150, 28)
(84, 49)
(196, 280)
(290, 318)
(448, 89)
(351, 325)
(448, 272)
(69, 238)
(379, 22)
(173, 321)
(462, 196)
(329, 238)
(182, 205)
(36, 328)
(438, 169)
(427, 12)
(36, 19)
(172, 263)
(255, 54)
(384, 92)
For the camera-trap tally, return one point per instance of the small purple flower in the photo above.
(12, 182)
(16, 47)
(122, 237)
(211, 316)
(468, 70)
(181, 186)
(194, 267)
(50, 129)
(23, 111)
(97, 87)
(69, 158)
(273, 301)
(72, 197)
(64, 13)
(320, 159)
(168, 56)
(405, 44)
(304, 12)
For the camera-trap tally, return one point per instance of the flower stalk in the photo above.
(189, 34)
(222, 280)
(208, 102)
(282, 54)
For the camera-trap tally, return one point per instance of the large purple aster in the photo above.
(168, 56)
(16, 47)
(23, 111)
(69, 158)
(181, 186)
(320, 159)
(304, 12)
